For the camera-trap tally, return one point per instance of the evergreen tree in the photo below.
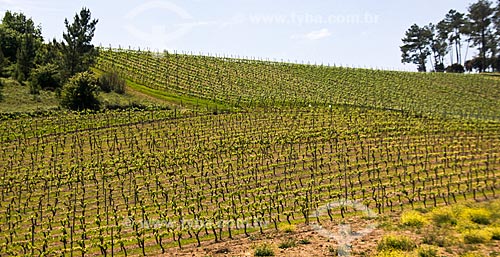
(479, 30)
(78, 53)
(415, 48)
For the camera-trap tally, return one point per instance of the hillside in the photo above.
(249, 83)
(252, 154)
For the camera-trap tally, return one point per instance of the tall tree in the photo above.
(438, 46)
(415, 48)
(453, 27)
(480, 18)
(77, 50)
(12, 30)
(26, 57)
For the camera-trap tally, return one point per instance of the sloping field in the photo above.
(96, 184)
(250, 83)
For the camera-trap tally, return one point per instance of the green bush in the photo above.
(288, 228)
(392, 253)
(80, 92)
(444, 216)
(413, 219)
(495, 233)
(264, 250)
(480, 216)
(111, 81)
(44, 77)
(438, 237)
(392, 242)
(427, 251)
(477, 236)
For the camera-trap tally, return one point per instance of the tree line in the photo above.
(63, 67)
(479, 28)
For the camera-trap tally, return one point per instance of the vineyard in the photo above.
(254, 83)
(141, 182)
(139, 187)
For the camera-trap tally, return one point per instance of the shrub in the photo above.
(455, 68)
(80, 92)
(392, 253)
(289, 243)
(392, 242)
(444, 216)
(288, 228)
(264, 250)
(438, 237)
(44, 77)
(480, 216)
(413, 219)
(477, 236)
(427, 251)
(111, 81)
(495, 233)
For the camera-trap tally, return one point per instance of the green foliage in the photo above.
(413, 219)
(80, 92)
(444, 217)
(264, 250)
(455, 68)
(478, 236)
(254, 84)
(495, 233)
(14, 28)
(479, 216)
(415, 48)
(393, 242)
(288, 228)
(78, 53)
(438, 237)
(112, 82)
(392, 253)
(289, 243)
(25, 57)
(45, 77)
(427, 251)
(480, 16)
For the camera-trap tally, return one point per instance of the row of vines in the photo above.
(250, 83)
(140, 187)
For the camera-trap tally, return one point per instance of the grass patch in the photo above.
(495, 233)
(264, 250)
(477, 236)
(394, 242)
(392, 253)
(413, 219)
(427, 251)
(444, 217)
(479, 216)
(289, 243)
(286, 228)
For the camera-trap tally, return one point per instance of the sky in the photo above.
(358, 33)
